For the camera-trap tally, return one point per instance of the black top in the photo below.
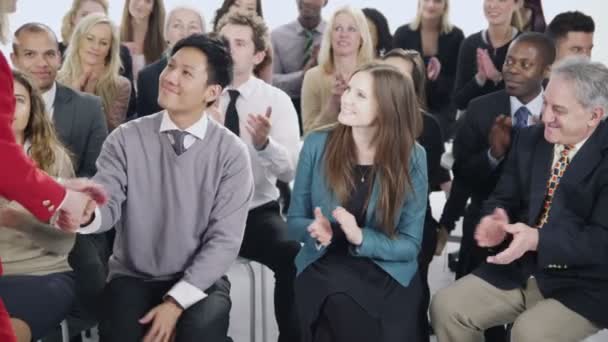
(147, 88)
(466, 88)
(356, 205)
(439, 91)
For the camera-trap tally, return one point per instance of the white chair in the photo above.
(248, 264)
(65, 332)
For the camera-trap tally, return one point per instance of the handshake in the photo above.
(82, 197)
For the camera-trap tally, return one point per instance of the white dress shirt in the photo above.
(535, 107)
(183, 292)
(49, 99)
(278, 160)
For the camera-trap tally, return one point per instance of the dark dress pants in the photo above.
(266, 242)
(128, 299)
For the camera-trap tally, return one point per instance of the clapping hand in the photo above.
(490, 71)
(525, 238)
(259, 126)
(500, 136)
(320, 228)
(489, 231)
(349, 226)
(433, 69)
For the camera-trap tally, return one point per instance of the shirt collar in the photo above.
(245, 89)
(198, 129)
(558, 148)
(535, 106)
(49, 98)
(319, 29)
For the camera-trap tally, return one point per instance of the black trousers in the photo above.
(40, 301)
(128, 299)
(266, 242)
(425, 257)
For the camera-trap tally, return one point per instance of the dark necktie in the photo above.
(178, 140)
(521, 117)
(308, 43)
(557, 172)
(232, 116)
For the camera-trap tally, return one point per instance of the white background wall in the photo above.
(467, 14)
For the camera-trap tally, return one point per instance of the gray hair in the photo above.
(187, 8)
(589, 80)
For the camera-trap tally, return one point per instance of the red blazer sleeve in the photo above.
(6, 330)
(20, 180)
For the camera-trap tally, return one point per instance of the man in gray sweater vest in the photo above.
(180, 186)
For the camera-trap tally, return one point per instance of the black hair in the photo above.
(34, 27)
(217, 51)
(385, 39)
(565, 22)
(544, 44)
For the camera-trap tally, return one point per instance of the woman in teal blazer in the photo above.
(358, 209)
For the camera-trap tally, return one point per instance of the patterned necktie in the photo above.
(556, 174)
(308, 44)
(521, 117)
(178, 140)
(232, 116)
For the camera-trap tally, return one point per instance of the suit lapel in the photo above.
(63, 115)
(585, 160)
(541, 166)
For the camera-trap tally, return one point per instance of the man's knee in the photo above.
(444, 306)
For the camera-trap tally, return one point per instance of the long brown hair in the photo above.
(46, 148)
(154, 43)
(399, 123)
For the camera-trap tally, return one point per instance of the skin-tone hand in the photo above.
(259, 126)
(525, 238)
(349, 226)
(163, 319)
(82, 197)
(442, 240)
(500, 136)
(490, 70)
(433, 69)
(320, 228)
(71, 213)
(481, 71)
(489, 232)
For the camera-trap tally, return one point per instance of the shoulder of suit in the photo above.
(489, 100)
(79, 96)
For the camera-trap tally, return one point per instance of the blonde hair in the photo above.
(67, 23)
(366, 50)
(107, 85)
(446, 25)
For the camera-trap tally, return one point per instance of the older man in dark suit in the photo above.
(549, 210)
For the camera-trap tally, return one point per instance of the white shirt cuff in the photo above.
(493, 161)
(186, 294)
(94, 226)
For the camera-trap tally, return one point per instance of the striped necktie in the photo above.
(557, 171)
(308, 44)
